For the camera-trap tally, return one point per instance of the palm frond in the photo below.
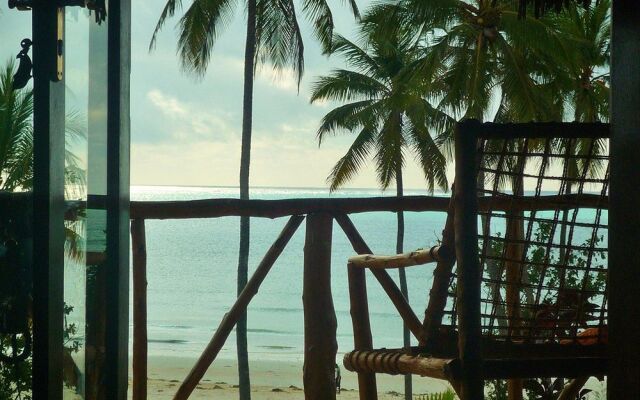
(278, 36)
(167, 12)
(389, 156)
(348, 118)
(349, 165)
(198, 31)
(345, 85)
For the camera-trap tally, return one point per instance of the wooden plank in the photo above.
(545, 367)
(418, 257)
(391, 289)
(362, 338)
(469, 275)
(215, 208)
(140, 340)
(540, 130)
(320, 324)
(239, 307)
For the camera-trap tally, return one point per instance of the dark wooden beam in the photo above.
(469, 275)
(48, 205)
(624, 216)
(544, 367)
(543, 130)
(117, 184)
(320, 324)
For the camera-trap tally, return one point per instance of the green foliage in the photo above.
(278, 36)
(496, 390)
(446, 395)
(385, 108)
(16, 134)
(16, 139)
(15, 379)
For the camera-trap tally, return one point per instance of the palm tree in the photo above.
(483, 50)
(273, 36)
(585, 61)
(16, 134)
(16, 138)
(386, 109)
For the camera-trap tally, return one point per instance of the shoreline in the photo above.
(270, 379)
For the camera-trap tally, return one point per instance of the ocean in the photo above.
(192, 275)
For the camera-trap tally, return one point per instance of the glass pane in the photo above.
(85, 186)
(16, 172)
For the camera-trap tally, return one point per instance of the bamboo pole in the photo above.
(397, 362)
(418, 257)
(362, 338)
(215, 208)
(469, 278)
(140, 340)
(239, 307)
(320, 324)
(391, 289)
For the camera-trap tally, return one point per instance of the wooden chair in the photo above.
(519, 287)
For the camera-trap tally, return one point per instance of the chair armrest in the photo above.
(418, 257)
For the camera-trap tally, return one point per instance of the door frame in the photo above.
(49, 206)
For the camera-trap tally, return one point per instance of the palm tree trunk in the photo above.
(403, 277)
(245, 161)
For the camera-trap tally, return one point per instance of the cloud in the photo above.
(284, 79)
(189, 121)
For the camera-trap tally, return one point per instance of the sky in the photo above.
(185, 130)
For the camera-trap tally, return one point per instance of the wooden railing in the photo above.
(320, 346)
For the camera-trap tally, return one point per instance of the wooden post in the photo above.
(320, 325)
(387, 283)
(361, 328)
(140, 340)
(469, 277)
(624, 217)
(440, 289)
(239, 307)
(514, 269)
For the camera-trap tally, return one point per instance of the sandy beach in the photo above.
(270, 380)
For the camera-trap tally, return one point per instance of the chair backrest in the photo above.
(531, 232)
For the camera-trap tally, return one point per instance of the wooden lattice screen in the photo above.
(544, 271)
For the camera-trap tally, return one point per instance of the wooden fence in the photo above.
(320, 346)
